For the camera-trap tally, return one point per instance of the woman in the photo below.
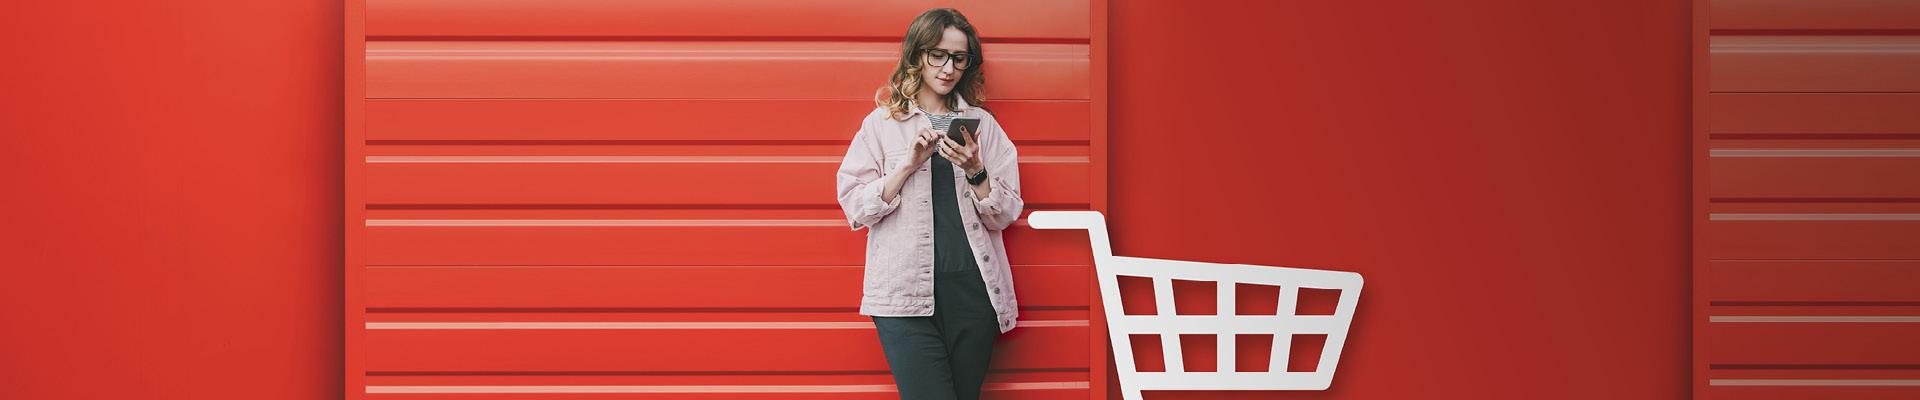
(937, 283)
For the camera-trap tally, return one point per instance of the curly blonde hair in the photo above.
(924, 33)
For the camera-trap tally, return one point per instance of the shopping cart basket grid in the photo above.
(1225, 323)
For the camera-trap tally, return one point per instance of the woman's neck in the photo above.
(930, 102)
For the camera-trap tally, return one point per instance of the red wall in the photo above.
(172, 197)
(1510, 175)
(662, 172)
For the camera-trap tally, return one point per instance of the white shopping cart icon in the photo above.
(1224, 276)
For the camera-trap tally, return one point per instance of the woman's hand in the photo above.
(966, 157)
(924, 144)
(923, 147)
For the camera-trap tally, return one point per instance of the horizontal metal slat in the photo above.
(708, 70)
(1815, 63)
(885, 21)
(822, 242)
(853, 347)
(1814, 281)
(766, 287)
(1815, 173)
(1818, 236)
(1004, 384)
(686, 120)
(1815, 14)
(665, 180)
(1794, 343)
(1814, 113)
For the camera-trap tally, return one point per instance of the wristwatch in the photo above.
(977, 178)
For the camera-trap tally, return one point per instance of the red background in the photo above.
(1511, 177)
(1517, 202)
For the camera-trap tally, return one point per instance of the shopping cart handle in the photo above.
(1092, 221)
(1067, 220)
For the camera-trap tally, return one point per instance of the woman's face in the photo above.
(941, 80)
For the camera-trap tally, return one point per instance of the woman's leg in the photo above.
(971, 349)
(917, 355)
(968, 326)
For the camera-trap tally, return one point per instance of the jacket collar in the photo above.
(915, 106)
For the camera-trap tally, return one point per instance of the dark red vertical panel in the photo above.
(1510, 176)
(353, 59)
(1699, 39)
(1804, 270)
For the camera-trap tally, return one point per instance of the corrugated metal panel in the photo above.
(1813, 232)
(634, 198)
(1864, 114)
(1816, 64)
(1807, 15)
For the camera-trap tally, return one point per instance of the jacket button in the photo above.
(976, 226)
(986, 258)
(996, 290)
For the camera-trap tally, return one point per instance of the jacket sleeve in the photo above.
(860, 180)
(1003, 204)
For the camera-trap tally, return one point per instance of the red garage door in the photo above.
(1811, 277)
(635, 198)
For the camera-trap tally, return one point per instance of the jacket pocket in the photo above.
(891, 162)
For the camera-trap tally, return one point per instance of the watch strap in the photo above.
(977, 178)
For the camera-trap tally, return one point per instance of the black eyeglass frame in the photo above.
(965, 60)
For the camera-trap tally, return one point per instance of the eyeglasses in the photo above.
(938, 58)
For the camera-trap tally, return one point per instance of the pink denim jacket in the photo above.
(899, 270)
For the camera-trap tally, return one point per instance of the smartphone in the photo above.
(953, 129)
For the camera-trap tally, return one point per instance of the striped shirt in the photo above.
(940, 122)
